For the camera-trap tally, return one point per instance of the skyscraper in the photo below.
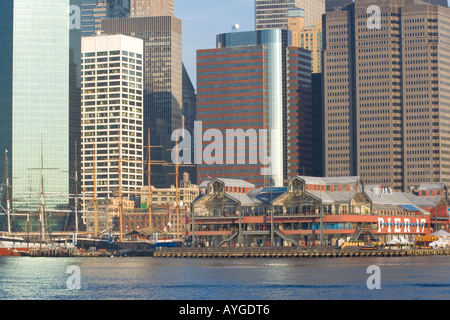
(40, 105)
(385, 100)
(443, 3)
(112, 112)
(151, 8)
(163, 83)
(94, 11)
(189, 116)
(307, 37)
(273, 14)
(310, 38)
(243, 88)
(336, 5)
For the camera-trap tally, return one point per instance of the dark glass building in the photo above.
(94, 11)
(163, 84)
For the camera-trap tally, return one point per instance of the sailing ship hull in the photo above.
(100, 244)
(11, 246)
(12, 252)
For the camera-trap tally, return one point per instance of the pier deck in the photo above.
(62, 252)
(290, 252)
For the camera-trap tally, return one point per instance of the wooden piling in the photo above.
(286, 252)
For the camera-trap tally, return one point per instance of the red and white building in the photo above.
(311, 210)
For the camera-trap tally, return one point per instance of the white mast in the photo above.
(41, 206)
(76, 193)
(8, 202)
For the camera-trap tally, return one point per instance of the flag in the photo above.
(6, 155)
(210, 177)
(169, 224)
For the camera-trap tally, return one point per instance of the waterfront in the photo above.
(146, 278)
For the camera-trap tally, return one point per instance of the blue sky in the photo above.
(204, 19)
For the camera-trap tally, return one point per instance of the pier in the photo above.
(290, 252)
(75, 252)
(63, 252)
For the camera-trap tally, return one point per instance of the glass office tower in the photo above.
(94, 11)
(256, 80)
(40, 105)
(273, 14)
(275, 42)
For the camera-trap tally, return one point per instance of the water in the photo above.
(145, 278)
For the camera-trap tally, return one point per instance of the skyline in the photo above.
(200, 151)
(220, 16)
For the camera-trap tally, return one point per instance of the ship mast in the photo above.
(42, 204)
(95, 191)
(149, 173)
(149, 201)
(76, 191)
(120, 187)
(177, 196)
(177, 189)
(8, 202)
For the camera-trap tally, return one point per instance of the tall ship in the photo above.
(13, 245)
(112, 239)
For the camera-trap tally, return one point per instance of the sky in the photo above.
(202, 20)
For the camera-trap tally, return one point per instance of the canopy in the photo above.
(404, 241)
(441, 233)
(394, 240)
(438, 244)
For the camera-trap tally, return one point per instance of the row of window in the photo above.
(112, 53)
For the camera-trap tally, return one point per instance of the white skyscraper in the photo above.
(112, 108)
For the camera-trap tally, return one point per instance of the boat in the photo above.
(11, 245)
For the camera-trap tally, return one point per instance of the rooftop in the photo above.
(329, 180)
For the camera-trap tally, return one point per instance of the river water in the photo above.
(146, 278)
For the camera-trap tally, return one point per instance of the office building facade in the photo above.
(40, 76)
(163, 84)
(307, 37)
(112, 115)
(385, 93)
(242, 86)
(94, 11)
(151, 8)
(189, 117)
(336, 5)
(273, 14)
(310, 38)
